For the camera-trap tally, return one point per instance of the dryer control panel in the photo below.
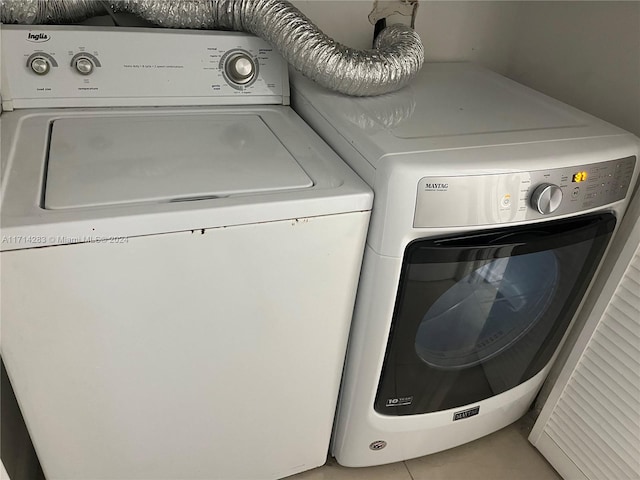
(71, 66)
(512, 197)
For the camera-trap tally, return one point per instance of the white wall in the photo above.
(476, 31)
(345, 21)
(584, 53)
(450, 30)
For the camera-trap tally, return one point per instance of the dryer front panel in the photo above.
(477, 200)
(479, 314)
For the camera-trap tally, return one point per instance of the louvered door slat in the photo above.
(596, 420)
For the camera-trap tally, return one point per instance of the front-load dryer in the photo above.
(493, 207)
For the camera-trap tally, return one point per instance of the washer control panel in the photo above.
(66, 66)
(512, 197)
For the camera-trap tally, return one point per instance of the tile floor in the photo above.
(503, 455)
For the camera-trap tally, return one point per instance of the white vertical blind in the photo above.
(596, 421)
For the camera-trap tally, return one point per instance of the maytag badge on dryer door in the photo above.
(470, 412)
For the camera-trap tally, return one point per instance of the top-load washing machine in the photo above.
(493, 207)
(177, 282)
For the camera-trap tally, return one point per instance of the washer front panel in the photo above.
(503, 198)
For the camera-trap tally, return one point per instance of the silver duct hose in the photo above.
(397, 57)
(385, 112)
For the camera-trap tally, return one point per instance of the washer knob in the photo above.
(240, 68)
(84, 66)
(40, 65)
(546, 198)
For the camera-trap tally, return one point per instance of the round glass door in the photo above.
(487, 310)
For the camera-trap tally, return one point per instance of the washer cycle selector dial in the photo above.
(546, 198)
(84, 65)
(240, 68)
(40, 65)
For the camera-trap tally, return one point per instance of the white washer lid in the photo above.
(132, 159)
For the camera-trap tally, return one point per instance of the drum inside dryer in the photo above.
(489, 309)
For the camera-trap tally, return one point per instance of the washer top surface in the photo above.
(447, 106)
(118, 160)
(75, 175)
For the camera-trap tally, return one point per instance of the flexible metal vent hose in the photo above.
(397, 57)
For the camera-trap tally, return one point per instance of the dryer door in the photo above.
(478, 314)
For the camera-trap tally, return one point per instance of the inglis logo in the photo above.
(38, 37)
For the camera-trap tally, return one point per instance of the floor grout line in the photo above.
(408, 471)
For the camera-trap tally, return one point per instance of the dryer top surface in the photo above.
(447, 106)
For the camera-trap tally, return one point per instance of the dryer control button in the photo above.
(546, 198)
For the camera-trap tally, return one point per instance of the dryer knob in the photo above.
(546, 198)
